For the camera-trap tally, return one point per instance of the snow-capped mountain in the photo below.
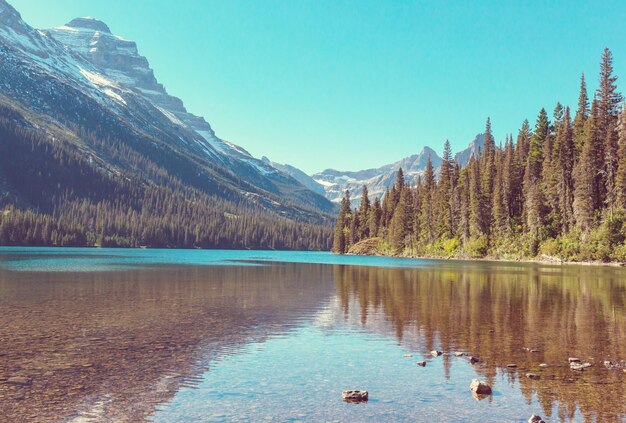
(298, 175)
(80, 81)
(377, 180)
(336, 182)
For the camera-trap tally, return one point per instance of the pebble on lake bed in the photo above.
(480, 388)
(535, 419)
(421, 363)
(614, 365)
(19, 380)
(355, 396)
(579, 366)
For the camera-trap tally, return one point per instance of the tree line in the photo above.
(53, 194)
(557, 190)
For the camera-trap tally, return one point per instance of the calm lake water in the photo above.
(180, 336)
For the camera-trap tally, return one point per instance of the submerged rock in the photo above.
(19, 380)
(579, 366)
(421, 363)
(615, 365)
(480, 387)
(355, 396)
(535, 419)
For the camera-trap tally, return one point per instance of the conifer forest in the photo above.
(554, 191)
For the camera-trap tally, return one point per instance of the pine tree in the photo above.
(564, 168)
(620, 178)
(584, 173)
(374, 218)
(427, 217)
(497, 200)
(608, 97)
(364, 212)
(582, 113)
(339, 241)
(399, 229)
(446, 186)
(476, 203)
(611, 162)
(533, 206)
(488, 170)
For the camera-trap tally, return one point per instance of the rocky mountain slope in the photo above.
(79, 84)
(377, 180)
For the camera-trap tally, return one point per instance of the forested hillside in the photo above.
(52, 195)
(558, 190)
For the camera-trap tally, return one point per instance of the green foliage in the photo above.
(559, 191)
(451, 246)
(59, 197)
(476, 247)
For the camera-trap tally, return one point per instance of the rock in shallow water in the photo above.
(614, 365)
(421, 363)
(355, 396)
(19, 380)
(579, 366)
(480, 388)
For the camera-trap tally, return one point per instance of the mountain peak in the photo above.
(88, 23)
(8, 14)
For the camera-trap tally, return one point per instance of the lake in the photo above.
(188, 335)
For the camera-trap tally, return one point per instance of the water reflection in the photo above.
(175, 343)
(115, 344)
(501, 314)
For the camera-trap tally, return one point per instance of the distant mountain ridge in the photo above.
(81, 76)
(377, 180)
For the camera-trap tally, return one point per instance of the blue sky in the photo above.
(358, 84)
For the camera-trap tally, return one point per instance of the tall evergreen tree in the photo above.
(428, 188)
(364, 212)
(582, 113)
(607, 95)
(564, 168)
(339, 241)
(620, 179)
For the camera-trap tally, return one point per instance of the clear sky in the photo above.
(358, 84)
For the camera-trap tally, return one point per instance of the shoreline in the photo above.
(488, 259)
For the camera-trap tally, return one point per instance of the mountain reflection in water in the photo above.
(121, 345)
